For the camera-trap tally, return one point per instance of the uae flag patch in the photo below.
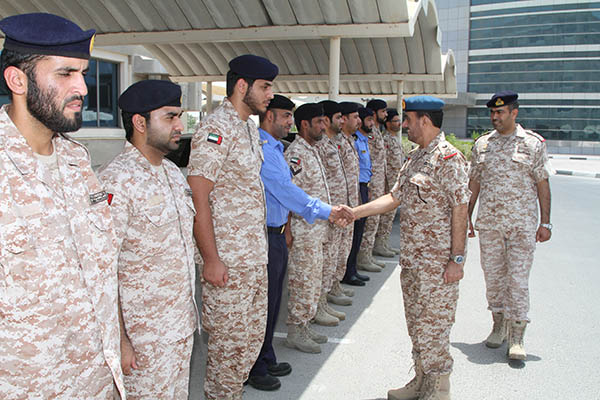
(214, 138)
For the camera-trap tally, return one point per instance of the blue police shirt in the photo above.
(364, 157)
(281, 194)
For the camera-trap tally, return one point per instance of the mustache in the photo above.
(73, 98)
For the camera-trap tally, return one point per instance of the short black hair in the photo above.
(128, 122)
(513, 106)
(436, 117)
(25, 62)
(232, 78)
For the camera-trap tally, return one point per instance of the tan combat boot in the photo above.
(380, 250)
(516, 331)
(499, 331)
(331, 311)
(337, 296)
(347, 291)
(314, 335)
(322, 317)
(395, 250)
(376, 261)
(297, 338)
(436, 387)
(412, 389)
(364, 263)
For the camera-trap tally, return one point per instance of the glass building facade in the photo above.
(546, 50)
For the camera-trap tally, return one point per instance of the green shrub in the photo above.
(464, 145)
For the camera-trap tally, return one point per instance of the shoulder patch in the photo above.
(371, 137)
(295, 160)
(214, 138)
(535, 135)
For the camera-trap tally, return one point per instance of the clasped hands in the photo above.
(341, 215)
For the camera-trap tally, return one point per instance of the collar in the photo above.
(360, 136)
(519, 132)
(267, 139)
(229, 110)
(435, 142)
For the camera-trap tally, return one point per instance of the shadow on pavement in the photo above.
(478, 353)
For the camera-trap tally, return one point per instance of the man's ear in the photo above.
(139, 123)
(242, 86)
(16, 80)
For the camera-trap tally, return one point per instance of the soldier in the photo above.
(230, 230)
(510, 169)
(353, 160)
(431, 190)
(394, 158)
(152, 209)
(306, 255)
(281, 197)
(59, 330)
(377, 189)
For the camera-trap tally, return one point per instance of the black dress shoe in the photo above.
(362, 277)
(266, 382)
(279, 369)
(353, 281)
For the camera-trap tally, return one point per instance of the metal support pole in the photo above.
(399, 95)
(209, 97)
(334, 68)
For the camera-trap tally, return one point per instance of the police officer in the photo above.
(510, 170)
(431, 190)
(281, 197)
(152, 209)
(59, 331)
(224, 174)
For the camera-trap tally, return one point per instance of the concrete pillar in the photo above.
(334, 68)
(399, 95)
(209, 98)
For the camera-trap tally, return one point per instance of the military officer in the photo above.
(59, 330)
(432, 192)
(510, 170)
(230, 230)
(152, 209)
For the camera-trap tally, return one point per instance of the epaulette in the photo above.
(447, 150)
(535, 135)
(482, 135)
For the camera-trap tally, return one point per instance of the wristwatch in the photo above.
(547, 226)
(458, 258)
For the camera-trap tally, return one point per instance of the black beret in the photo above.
(255, 67)
(502, 99)
(391, 113)
(349, 107)
(148, 95)
(364, 112)
(281, 102)
(422, 103)
(307, 112)
(48, 34)
(330, 107)
(376, 104)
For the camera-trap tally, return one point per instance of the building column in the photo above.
(334, 68)
(209, 97)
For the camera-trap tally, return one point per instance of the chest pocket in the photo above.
(482, 157)
(160, 215)
(424, 187)
(523, 156)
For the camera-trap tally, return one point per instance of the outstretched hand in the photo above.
(341, 215)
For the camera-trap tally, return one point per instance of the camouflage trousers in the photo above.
(163, 371)
(305, 275)
(372, 224)
(429, 307)
(386, 221)
(506, 259)
(335, 250)
(235, 319)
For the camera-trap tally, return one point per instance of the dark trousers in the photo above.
(359, 227)
(276, 267)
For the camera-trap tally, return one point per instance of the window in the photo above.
(100, 105)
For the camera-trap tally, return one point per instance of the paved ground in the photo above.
(370, 351)
(587, 166)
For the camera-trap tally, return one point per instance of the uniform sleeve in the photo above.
(454, 180)
(209, 150)
(541, 165)
(280, 184)
(119, 205)
(475, 170)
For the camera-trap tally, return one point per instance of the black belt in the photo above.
(364, 184)
(276, 229)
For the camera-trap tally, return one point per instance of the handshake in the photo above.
(341, 215)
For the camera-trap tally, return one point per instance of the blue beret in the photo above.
(281, 102)
(376, 104)
(364, 112)
(48, 34)
(422, 103)
(148, 95)
(255, 67)
(391, 113)
(330, 107)
(307, 112)
(349, 107)
(502, 99)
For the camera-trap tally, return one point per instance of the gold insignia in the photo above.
(403, 104)
(92, 43)
(499, 102)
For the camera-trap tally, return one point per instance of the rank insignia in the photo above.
(214, 138)
(499, 102)
(109, 198)
(96, 198)
(450, 155)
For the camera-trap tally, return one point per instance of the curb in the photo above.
(578, 173)
(579, 158)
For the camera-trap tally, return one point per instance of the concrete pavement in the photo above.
(576, 165)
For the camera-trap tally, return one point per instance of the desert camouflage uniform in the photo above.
(338, 243)
(376, 187)
(305, 267)
(226, 151)
(508, 169)
(59, 328)
(153, 214)
(394, 157)
(429, 185)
